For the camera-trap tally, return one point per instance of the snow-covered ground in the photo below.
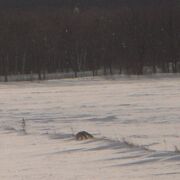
(135, 121)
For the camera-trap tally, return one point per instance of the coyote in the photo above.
(83, 135)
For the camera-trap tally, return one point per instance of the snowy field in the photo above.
(135, 121)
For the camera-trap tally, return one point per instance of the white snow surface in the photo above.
(135, 122)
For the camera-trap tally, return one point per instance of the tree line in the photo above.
(124, 37)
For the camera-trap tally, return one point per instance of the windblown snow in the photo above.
(135, 122)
